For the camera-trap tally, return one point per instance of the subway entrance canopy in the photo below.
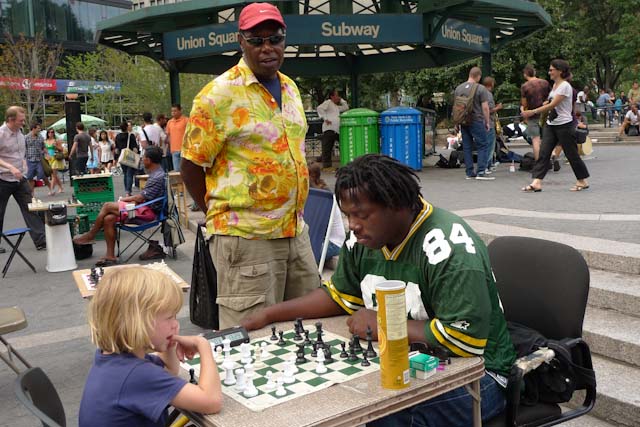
(327, 37)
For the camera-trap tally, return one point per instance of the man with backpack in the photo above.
(471, 112)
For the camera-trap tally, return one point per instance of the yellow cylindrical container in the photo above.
(393, 339)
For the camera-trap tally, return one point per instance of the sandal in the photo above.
(106, 262)
(578, 187)
(531, 189)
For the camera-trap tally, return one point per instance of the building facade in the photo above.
(70, 22)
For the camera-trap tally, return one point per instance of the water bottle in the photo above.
(512, 167)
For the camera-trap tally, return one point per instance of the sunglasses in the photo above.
(259, 41)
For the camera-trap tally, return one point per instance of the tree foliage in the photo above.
(27, 58)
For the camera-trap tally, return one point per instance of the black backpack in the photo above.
(552, 382)
(527, 162)
(450, 163)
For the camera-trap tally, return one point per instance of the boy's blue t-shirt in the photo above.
(123, 390)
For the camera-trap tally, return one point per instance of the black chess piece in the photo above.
(314, 353)
(298, 332)
(356, 343)
(273, 334)
(307, 340)
(328, 357)
(300, 359)
(192, 376)
(343, 353)
(319, 332)
(299, 324)
(370, 352)
(281, 342)
(353, 357)
(101, 272)
(365, 361)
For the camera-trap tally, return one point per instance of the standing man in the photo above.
(479, 127)
(581, 101)
(150, 134)
(34, 144)
(175, 132)
(490, 83)
(81, 147)
(13, 166)
(534, 93)
(329, 111)
(247, 130)
(161, 123)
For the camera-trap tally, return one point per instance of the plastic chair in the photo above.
(139, 230)
(36, 392)
(20, 232)
(318, 216)
(543, 285)
(12, 319)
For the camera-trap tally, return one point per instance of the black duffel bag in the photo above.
(203, 309)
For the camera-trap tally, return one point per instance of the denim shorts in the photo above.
(34, 169)
(533, 127)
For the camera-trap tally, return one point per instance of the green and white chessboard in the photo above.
(306, 380)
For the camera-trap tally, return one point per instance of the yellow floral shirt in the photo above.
(256, 174)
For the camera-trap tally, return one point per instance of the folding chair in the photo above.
(20, 232)
(543, 285)
(34, 390)
(139, 230)
(318, 215)
(12, 319)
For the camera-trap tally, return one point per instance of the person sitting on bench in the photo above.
(631, 120)
(111, 212)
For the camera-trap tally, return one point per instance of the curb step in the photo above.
(613, 335)
(615, 291)
(617, 400)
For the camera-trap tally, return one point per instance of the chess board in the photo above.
(306, 379)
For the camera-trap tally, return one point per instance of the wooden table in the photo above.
(44, 206)
(351, 403)
(88, 293)
(179, 191)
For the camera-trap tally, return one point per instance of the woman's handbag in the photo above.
(129, 158)
(46, 167)
(581, 135)
(59, 155)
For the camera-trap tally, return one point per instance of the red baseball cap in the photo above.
(256, 13)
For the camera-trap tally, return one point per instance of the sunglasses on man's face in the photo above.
(259, 41)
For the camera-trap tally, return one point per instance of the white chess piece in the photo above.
(289, 372)
(227, 363)
(245, 353)
(281, 391)
(320, 368)
(294, 368)
(258, 356)
(248, 368)
(270, 385)
(240, 382)
(229, 378)
(226, 344)
(250, 390)
(264, 353)
(218, 356)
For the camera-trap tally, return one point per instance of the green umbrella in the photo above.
(89, 121)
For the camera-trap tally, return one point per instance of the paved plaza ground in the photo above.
(57, 337)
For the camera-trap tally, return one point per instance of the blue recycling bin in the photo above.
(402, 132)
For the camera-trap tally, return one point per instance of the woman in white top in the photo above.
(560, 129)
(105, 149)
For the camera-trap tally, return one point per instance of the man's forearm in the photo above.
(194, 179)
(315, 304)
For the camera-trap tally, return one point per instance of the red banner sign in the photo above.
(17, 83)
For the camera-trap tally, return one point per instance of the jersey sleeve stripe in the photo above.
(451, 340)
(343, 299)
(441, 340)
(476, 342)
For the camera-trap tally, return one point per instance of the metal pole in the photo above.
(354, 90)
(174, 84)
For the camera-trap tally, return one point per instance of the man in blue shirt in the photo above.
(114, 212)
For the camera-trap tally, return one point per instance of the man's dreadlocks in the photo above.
(382, 179)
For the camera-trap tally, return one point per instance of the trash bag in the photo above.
(203, 309)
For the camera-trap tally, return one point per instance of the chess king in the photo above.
(452, 300)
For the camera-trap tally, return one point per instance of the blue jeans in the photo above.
(176, 161)
(128, 173)
(491, 139)
(452, 409)
(332, 250)
(478, 133)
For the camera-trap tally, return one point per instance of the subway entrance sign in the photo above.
(460, 35)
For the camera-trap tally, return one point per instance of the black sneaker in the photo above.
(41, 247)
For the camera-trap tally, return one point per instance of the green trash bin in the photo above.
(78, 224)
(358, 134)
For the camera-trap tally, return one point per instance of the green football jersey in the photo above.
(449, 284)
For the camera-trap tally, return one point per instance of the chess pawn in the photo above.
(250, 389)
(264, 353)
(270, 385)
(288, 374)
(258, 357)
(218, 355)
(320, 368)
(281, 391)
(240, 380)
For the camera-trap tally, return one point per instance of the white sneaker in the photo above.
(485, 178)
(488, 172)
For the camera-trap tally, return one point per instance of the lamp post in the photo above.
(72, 116)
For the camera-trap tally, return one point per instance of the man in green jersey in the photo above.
(452, 301)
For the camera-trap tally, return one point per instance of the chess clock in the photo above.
(236, 335)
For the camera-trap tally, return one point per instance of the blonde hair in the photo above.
(123, 310)
(12, 112)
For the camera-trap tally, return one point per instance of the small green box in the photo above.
(423, 362)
